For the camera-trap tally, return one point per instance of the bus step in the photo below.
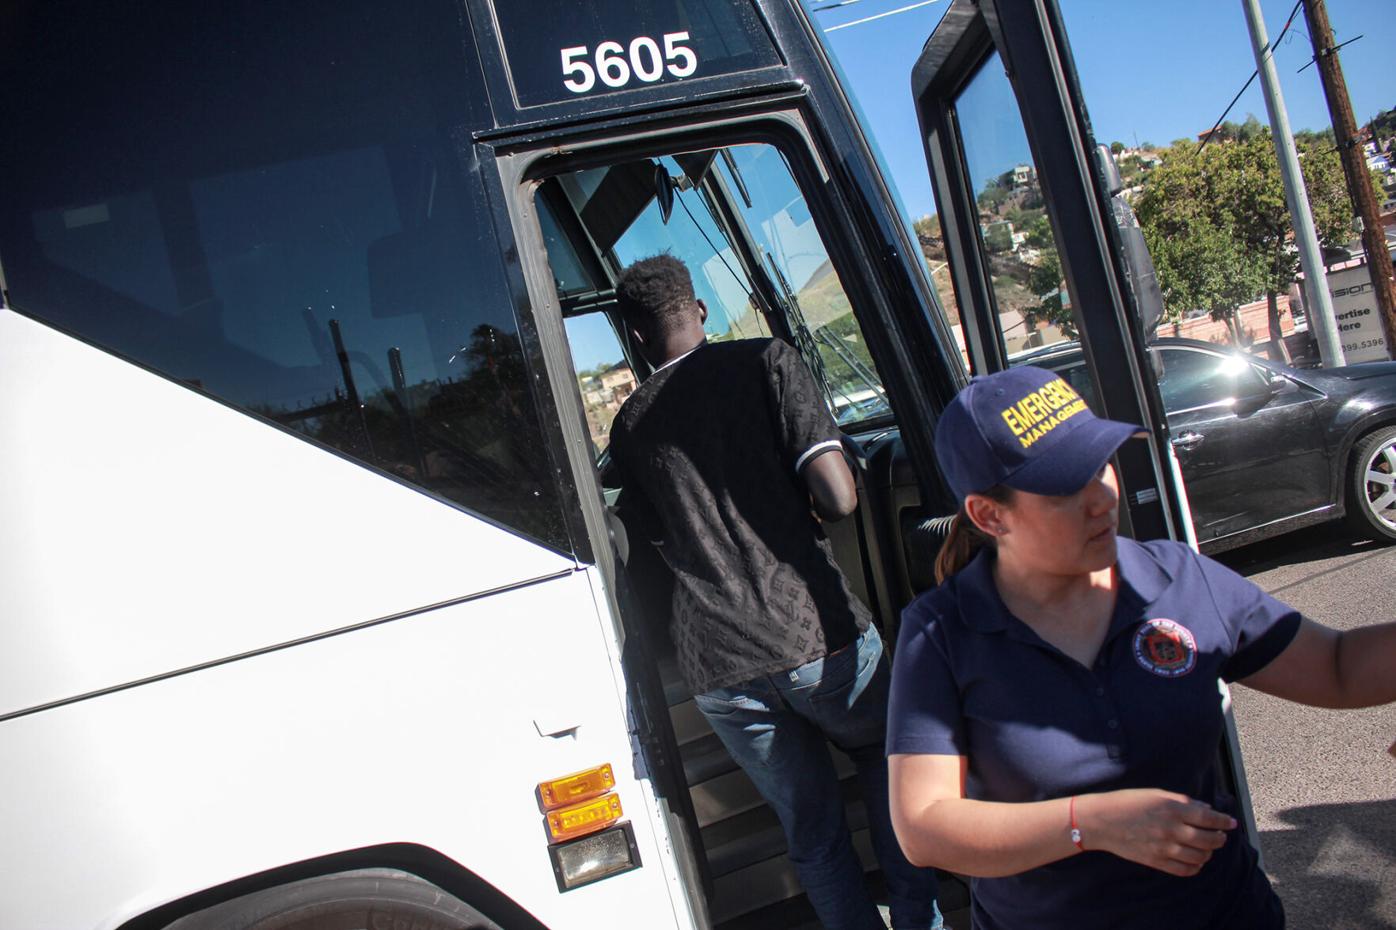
(756, 835)
(768, 882)
(689, 722)
(705, 759)
(732, 792)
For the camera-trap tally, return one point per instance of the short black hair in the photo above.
(655, 294)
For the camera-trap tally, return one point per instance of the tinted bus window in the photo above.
(269, 203)
(562, 49)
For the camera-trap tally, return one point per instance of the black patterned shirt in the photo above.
(708, 453)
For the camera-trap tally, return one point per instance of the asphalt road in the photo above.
(1322, 783)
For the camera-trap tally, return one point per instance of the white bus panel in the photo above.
(421, 730)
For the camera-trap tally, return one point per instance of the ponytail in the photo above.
(961, 543)
(964, 540)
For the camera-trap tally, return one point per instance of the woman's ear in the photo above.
(985, 513)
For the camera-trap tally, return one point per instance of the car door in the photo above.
(1248, 441)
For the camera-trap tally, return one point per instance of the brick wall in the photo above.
(1255, 322)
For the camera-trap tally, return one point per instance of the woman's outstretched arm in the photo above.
(1324, 667)
(938, 826)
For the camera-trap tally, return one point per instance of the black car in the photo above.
(1265, 448)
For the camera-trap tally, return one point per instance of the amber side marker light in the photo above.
(566, 823)
(579, 786)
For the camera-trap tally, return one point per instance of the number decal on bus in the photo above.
(615, 67)
(656, 69)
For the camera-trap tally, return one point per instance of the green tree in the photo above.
(1039, 234)
(998, 237)
(1116, 147)
(1203, 266)
(1383, 124)
(1309, 137)
(1218, 228)
(993, 195)
(1262, 218)
(1045, 280)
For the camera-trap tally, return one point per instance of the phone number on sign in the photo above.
(1364, 344)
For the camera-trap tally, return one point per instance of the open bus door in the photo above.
(1006, 134)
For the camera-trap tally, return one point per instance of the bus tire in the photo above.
(1371, 504)
(367, 899)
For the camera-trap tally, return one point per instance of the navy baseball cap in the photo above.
(1027, 429)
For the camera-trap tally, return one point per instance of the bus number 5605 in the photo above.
(610, 63)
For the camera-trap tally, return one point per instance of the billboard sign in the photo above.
(1358, 316)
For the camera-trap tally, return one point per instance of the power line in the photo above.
(833, 6)
(1268, 49)
(1330, 51)
(868, 19)
(1244, 87)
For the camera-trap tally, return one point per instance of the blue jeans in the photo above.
(776, 728)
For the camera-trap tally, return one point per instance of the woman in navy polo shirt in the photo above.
(1056, 705)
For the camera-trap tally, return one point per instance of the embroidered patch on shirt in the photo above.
(1165, 647)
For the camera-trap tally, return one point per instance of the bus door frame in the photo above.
(515, 161)
(912, 353)
(1030, 38)
(1031, 43)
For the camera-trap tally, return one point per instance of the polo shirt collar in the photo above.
(1140, 573)
(1142, 581)
(678, 358)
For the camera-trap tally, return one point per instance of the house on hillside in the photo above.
(593, 395)
(617, 383)
(1377, 160)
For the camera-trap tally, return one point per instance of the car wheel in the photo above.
(1372, 485)
(363, 900)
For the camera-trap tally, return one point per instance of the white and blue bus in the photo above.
(314, 612)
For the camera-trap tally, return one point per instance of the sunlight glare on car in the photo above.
(1233, 366)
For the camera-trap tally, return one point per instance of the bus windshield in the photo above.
(736, 217)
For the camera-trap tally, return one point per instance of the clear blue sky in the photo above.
(1149, 70)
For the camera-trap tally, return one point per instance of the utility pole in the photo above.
(1359, 180)
(1317, 301)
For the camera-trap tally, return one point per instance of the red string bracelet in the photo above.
(1075, 827)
